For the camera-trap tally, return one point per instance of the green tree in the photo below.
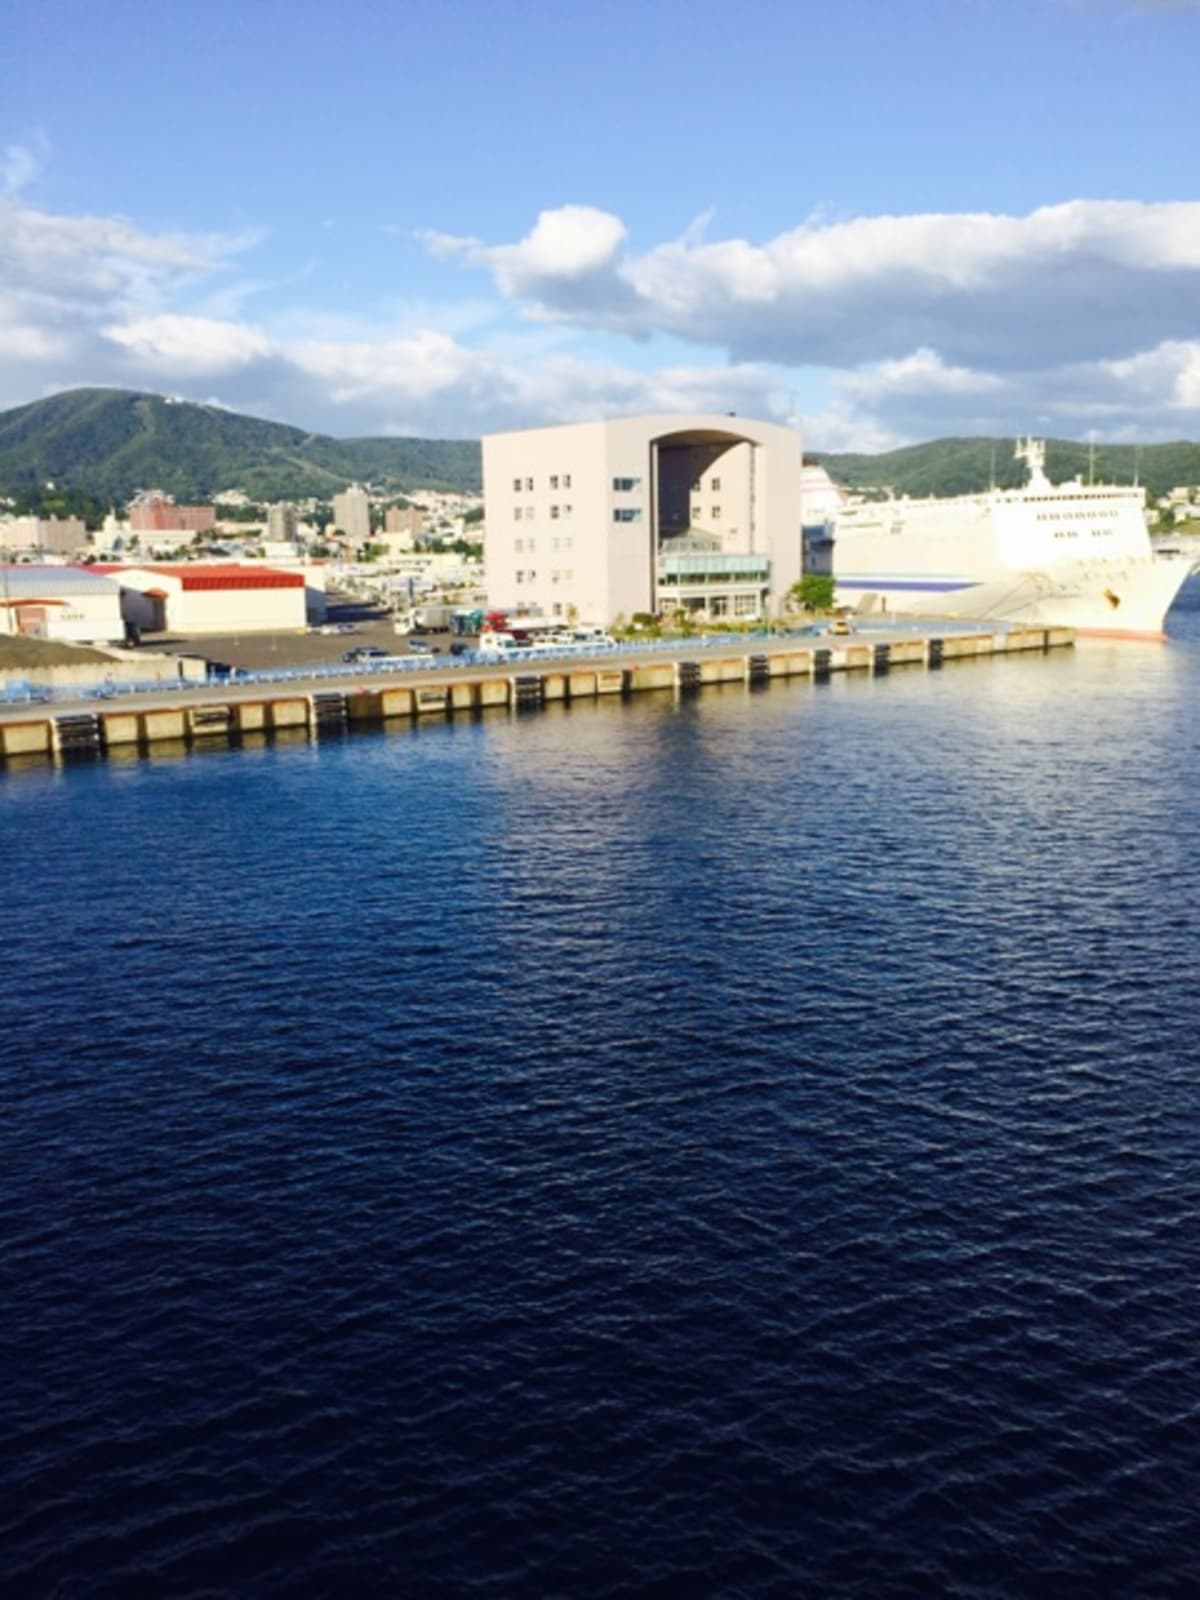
(814, 592)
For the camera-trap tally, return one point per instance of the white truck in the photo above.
(425, 619)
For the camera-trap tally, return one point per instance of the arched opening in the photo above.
(709, 562)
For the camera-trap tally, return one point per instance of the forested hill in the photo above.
(108, 443)
(111, 442)
(962, 466)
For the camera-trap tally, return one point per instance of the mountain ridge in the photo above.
(109, 443)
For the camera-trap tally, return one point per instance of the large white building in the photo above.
(595, 520)
(210, 597)
(76, 605)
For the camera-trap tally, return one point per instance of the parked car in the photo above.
(365, 652)
(460, 647)
(420, 647)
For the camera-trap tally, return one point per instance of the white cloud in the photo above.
(1070, 282)
(189, 345)
(1076, 316)
(20, 164)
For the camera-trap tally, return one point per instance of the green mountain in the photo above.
(108, 443)
(111, 442)
(962, 466)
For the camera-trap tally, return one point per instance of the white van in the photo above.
(497, 644)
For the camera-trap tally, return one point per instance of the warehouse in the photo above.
(210, 597)
(75, 605)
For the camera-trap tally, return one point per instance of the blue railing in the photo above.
(19, 691)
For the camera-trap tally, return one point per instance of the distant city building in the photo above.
(19, 533)
(697, 513)
(404, 519)
(352, 513)
(62, 536)
(156, 512)
(59, 536)
(282, 521)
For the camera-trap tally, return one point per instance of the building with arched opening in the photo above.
(596, 520)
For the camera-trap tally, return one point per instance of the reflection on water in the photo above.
(739, 1145)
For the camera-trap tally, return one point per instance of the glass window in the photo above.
(516, 513)
(554, 513)
(554, 480)
(716, 486)
(516, 485)
(716, 513)
(566, 480)
(529, 483)
(626, 485)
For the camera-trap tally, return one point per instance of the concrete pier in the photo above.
(207, 714)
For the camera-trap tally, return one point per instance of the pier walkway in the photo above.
(339, 698)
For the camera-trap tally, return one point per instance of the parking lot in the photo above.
(351, 625)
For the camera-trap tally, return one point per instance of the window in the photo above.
(554, 480)
(716, 486)
(568, 542)
(566, 511)
(626, 485)
(716, 513)
(566, 480)
(516, 513)
(627, 514)
(528, 513)
(520, 577)
(516, 485)
(554, 513)
(518, 546)
(529, 484)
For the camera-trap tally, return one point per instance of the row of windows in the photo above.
(558, 575)
(714, 485)
(526, 513)
(558, 480)
(1071, 516)
(714, 514)
(564, 541)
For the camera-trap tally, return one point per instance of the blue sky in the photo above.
(883, 221)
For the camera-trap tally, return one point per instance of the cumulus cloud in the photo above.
(567, 264)
(1070, 282)
(892, 329)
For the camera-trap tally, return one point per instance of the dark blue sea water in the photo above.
(740, 1147)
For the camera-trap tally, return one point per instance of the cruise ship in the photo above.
(1071, 554)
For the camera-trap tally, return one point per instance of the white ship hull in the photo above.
(1117, 599)
(1069, 555)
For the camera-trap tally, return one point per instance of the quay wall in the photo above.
(226, 714)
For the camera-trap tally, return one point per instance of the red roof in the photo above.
(212, 574)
